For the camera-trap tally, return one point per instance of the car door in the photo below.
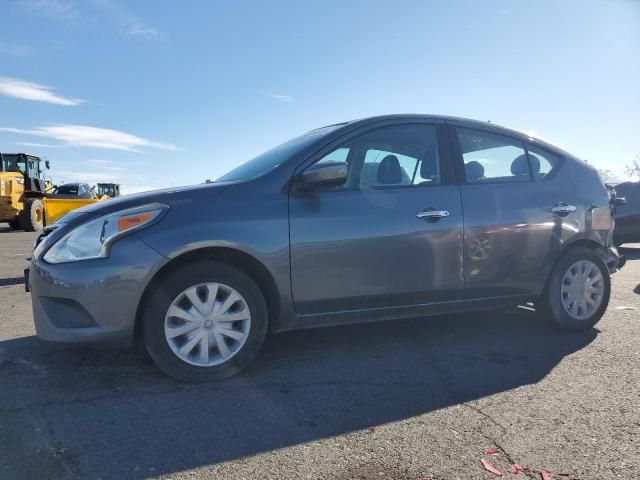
(627, 227)
(390, 236)
(510, 235)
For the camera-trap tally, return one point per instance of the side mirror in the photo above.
(324, 174)
(46, 164)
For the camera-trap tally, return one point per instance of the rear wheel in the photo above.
(204, 321)
(32, 215)
(578, 291)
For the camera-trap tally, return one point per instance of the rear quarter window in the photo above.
(543, 163)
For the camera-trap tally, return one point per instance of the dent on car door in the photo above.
(390, 236)
(510, 236)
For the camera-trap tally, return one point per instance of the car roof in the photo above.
(453, 120)
(628, 183)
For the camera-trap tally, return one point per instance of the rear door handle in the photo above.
(562, 209)
(432, 214)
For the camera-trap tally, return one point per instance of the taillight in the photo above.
(601, 218)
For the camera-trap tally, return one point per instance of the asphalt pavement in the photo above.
(418, 399)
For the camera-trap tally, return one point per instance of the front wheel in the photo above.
(204, 321)
(578, 290)
(32, 215)
(14, 224)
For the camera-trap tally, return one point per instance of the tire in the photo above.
(32, 215)
(14, 224)
(551, 304)
(168, 292)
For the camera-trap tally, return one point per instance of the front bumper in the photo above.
(613, 259)
(92, 300)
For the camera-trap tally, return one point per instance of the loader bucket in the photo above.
(56, 208)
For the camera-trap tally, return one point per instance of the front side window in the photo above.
(489, 157)
(395, 156)
(33, 169)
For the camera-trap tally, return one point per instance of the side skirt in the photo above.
(405, 311)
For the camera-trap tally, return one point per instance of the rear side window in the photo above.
(542, 162)
(489, 157)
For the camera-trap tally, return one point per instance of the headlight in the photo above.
(93, 239)
(19, 180)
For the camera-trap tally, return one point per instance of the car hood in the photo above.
(167, 196)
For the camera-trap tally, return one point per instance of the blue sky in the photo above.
(153, 94)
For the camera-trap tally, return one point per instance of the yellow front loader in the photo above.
(58, 205)
(56, 208)
(22, 186)
(29, 202)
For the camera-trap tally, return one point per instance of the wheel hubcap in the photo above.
(582, 289)
(207, 324)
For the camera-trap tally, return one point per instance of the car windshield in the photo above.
(67, 190)
(270, 159)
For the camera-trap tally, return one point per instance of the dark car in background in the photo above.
(627, 229)
(74, 190)
(380, 218)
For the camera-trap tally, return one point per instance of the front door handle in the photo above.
(562, 209)
(432, 214)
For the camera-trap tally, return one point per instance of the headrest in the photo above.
(520, 166)
(473, 171)
(389, 171)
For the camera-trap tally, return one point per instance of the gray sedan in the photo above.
(381, 218)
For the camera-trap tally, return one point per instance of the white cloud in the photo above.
(125, 21)
(143, 31)
(101, 162)
(282, 98)
(86, 136)
(15, 49)
(40, 145)
(58, 9)
(12, 87)
(89, 14)
(69, 176)
(107, 165)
